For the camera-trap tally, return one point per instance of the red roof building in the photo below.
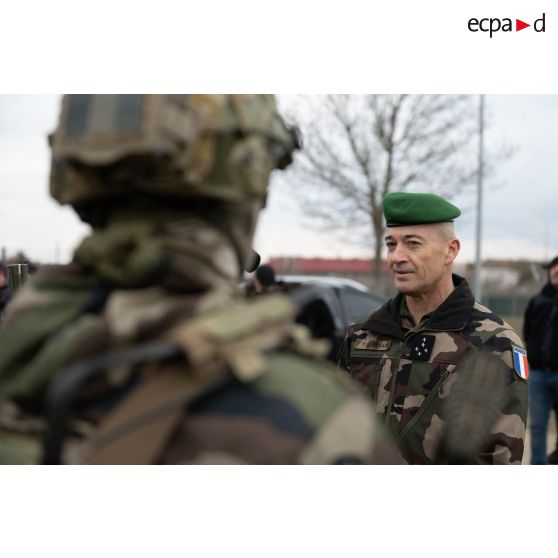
(323, 266)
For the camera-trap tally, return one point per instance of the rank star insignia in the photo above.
(422, 346)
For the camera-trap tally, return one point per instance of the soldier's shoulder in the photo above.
(278, 363)
(488, 331)
(485, 327)
(309, 377)
(340, 417)
(259, 342)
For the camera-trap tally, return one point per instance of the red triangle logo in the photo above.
(519, 25)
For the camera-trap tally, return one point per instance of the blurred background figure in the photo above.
(540, 331)
(264, 280)
(5, 293)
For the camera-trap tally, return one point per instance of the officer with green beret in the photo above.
(412, 353)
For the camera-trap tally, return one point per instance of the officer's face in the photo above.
(419, 257)
(553, 276)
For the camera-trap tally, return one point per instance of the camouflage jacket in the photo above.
(410, 371)
(248, 385)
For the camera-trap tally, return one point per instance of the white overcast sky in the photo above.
(520, 204)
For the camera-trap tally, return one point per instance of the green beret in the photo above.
(402, 208)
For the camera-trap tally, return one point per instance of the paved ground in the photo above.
(550, 440)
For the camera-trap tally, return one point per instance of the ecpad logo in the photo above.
(493, 25)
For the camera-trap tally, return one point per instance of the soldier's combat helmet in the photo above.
(222, 147)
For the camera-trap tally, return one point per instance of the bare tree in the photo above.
(358, 148)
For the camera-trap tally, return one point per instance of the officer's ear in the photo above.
(452, 250)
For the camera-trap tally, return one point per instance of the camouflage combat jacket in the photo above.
(247, 386)
(409, 371)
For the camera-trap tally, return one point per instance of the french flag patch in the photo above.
(520, 364)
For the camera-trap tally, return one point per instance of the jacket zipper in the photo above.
(377, 379)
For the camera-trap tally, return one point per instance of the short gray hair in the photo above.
(446, 231)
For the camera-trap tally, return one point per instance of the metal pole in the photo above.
(478, 269)
(546, 256)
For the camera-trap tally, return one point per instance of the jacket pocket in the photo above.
(427, 403)
(366, 368)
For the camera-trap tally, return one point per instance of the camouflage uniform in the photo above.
(411, 371)
(172, 229)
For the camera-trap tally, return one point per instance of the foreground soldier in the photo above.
(448, 375)
(139, 349)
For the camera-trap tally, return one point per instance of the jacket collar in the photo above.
(452, 315)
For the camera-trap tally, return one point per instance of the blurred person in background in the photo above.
(5, 293)
(540, 331)
(264, 280)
